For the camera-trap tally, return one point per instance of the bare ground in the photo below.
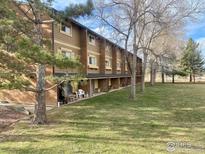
(8, 117)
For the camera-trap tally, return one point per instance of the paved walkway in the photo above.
(95, 95)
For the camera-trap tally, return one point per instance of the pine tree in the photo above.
(192, 60)
(24, 49)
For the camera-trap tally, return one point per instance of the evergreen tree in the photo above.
(192, 60)
(24, 49)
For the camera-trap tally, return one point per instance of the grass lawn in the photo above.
(112, 123)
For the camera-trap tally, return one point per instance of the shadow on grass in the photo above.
(161, 114)
(29, 150)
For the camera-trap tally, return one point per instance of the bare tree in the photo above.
(166, 15)
(125, 18)
(140, 22)
(165, 47)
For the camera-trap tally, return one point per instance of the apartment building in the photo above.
(104, 63)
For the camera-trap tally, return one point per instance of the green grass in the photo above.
(112, 123)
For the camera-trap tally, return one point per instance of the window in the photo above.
(92, 60)
(108, 63)
(126, 66)
(118, 55)
(108, 48)
(118, 66)
(91, 39)
(68, 53)
(66, 29)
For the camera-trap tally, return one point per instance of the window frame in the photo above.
(108, 48)
(92, 56)
(119, 67)
(109, 62)
(65, 50)
(94, 39)
(126, 66)
(66, 25)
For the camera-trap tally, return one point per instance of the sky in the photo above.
(193, 29)
(196, 30)
(61, 4)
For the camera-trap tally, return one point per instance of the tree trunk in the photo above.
(151, 73)
(154, 76)
(134, 63)
(133, 87)
(144, 71)
(173, 78)
(162, 74)
(40, 106)
(194, 78)
(133, 75)
(190, 78)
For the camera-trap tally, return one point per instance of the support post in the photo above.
(90, 88)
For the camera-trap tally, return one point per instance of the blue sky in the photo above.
(194, 29)
(61, 4)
